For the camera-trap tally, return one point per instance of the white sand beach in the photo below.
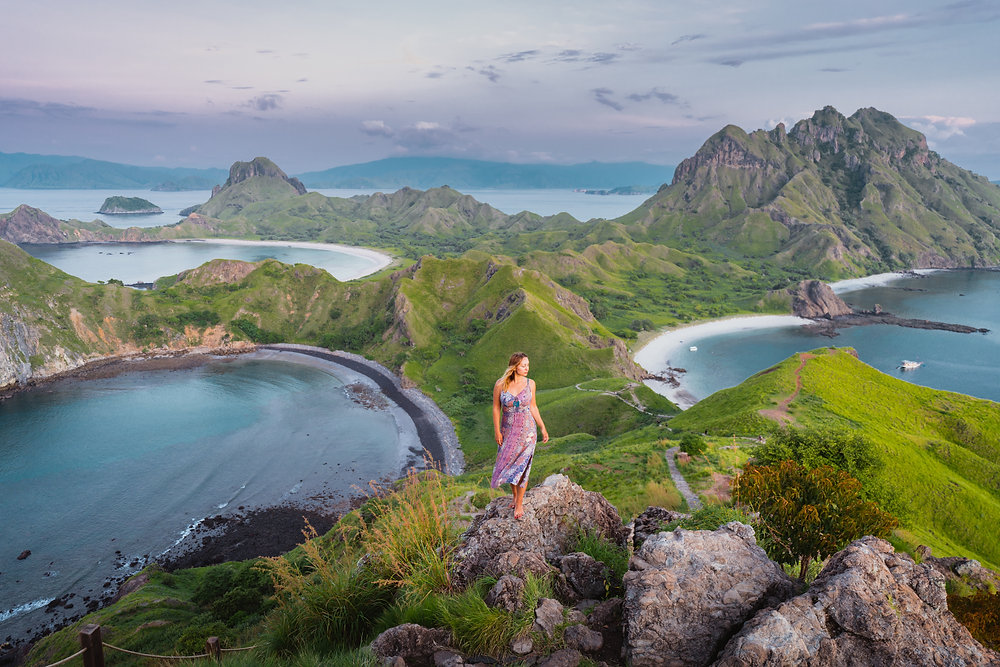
(655, 355)
(380, 259)
(877, 280)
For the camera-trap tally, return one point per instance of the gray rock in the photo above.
(394, 661)
(518, 563)
(522, 645)
(651, 522)
(869, 606)
(585, 575)
(583, 639)
(567, 657)
(965, 570)
(554, 512)
(548, 615)
(689, 591)
(413, 643)
(448, 659)
(507, 594)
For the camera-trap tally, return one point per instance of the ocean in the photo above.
(100, 475)
(964, 363)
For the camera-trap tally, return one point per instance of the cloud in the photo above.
(489, 71)
(578, 56)
(265, 102)
(688, 38)
(941, 128)
(655, 93)
(519, 56)
(215, 81)
(376, 128)
(603, 96)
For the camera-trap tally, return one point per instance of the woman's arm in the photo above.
(497, 434)
(534, 413)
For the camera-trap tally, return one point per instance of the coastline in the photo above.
(655, 354)
(381, 259)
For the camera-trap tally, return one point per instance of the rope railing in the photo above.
(93, 650)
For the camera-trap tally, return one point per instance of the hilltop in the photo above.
(939, 448)
(30, 171)
(842, 196)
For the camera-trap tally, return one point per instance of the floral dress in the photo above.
(519, 436)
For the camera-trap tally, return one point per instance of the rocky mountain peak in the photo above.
(729, 147)
(260, 166)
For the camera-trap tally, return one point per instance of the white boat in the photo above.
(908, 365)
(693, 348)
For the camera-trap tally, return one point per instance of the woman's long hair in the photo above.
(508, 375)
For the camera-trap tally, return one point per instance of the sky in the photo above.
(317, 84)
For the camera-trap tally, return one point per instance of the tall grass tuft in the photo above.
(603, 550)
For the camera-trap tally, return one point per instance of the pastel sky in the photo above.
(318, 83)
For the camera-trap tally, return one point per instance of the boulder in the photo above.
(566, 657)
(548, 615)
(507, 594)
(554, 512)
(413, 643)
(965, 570)
(687, 592)
(815, 299)
(583, 639)
(519, 564)
(585, 576)
(868, 606)
(650, 522)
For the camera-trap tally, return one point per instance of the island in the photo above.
(128, 206)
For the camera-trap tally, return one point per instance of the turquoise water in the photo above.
(129, 463)
(965, 363)
(145, 262)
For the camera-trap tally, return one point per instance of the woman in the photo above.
(515, 416)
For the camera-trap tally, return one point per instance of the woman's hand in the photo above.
(498, 436)
(545, 435)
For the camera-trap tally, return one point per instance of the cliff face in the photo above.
(838, 195)
(250, 182)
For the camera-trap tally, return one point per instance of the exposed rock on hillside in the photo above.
(553, 513)
(26, 224)
(251, 182)
(813, 299)
(687, 592)
(869, 606)
(836, 195)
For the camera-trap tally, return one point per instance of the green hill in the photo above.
(30, 171)
(841, 196)
(941, 449)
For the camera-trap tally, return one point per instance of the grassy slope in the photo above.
(940, 448)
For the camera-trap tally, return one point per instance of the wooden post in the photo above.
(213, 649)
(90, 640)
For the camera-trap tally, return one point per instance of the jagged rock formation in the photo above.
(26, 224)
(249, 182)
(814, 299)
(696, 598)
(869, 606)
(961, 570)
(836, 195)
(687, 592)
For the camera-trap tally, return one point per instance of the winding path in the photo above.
(694, 503)
(780, 413)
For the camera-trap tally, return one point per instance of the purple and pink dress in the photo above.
(519, 436)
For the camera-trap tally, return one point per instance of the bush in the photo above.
(980, 613)
(693, 444)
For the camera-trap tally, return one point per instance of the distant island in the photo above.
(128, 206)
(621, 190)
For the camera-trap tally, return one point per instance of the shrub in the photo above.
(980, 613)
(711, 517)
(693, 444)
(807, 514)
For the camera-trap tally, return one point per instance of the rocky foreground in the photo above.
(692, 597)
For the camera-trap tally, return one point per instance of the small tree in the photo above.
(693, 444)
(808, 514)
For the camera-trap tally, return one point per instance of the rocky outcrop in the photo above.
(961, 570)
(128, 206)
(413, 643)
(869, 606)
(815, 299)
(26, 224)
(248, 183)
(688, 592)
(259, 167)
(554, 513)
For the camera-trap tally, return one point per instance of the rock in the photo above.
(566, 657)
(522, 645)
(688, 591)
(583, 639)
(868, 606)
(815, 299)
(24, 554)
(965, 570)
(507, 594)
(448, 659)
(650, 522)
(520, 564)
(585, 575)
(554, 512)
(606, 618)
(413, 643)
(394, 661)
(548, 615)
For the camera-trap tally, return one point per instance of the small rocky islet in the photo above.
(128, 206)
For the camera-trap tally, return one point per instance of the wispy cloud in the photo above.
(941, 128)
(489, 71)
(265, 102)
(655, 94)
(604, 96)
(519, 56)
(688, 38)
(376, 128)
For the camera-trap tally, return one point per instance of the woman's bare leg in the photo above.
(519, 500)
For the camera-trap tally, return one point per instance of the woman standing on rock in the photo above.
(515, 420)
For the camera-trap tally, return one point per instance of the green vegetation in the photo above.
(807, 515)
(128, 205)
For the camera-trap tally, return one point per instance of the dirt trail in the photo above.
(780, 413)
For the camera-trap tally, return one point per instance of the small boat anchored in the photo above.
(908, 365)
(693, 348)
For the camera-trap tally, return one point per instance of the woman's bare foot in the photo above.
(518, 512)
